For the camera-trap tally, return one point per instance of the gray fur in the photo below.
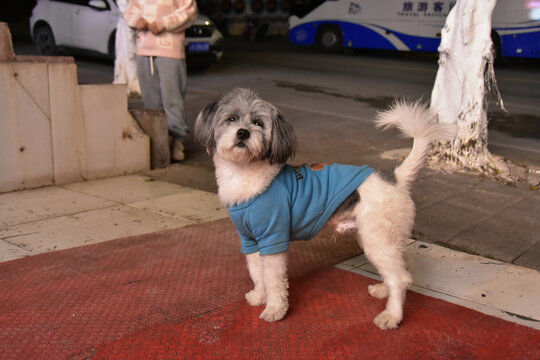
(387, 176)
(283, 141)
(244, 109)
(204, 129)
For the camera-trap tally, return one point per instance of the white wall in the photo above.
(54, 131)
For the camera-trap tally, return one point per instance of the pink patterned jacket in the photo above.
(172, 18)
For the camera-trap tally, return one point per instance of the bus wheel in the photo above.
(329, 38)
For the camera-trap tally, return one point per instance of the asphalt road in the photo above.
(364, 74)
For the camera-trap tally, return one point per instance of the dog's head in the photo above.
(241, 127)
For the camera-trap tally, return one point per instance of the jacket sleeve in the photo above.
(132, 13)
(181, 18)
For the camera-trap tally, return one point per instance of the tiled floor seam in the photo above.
(525, 251)
(57, 217)
(440, 200)
(164, 214)
(13, 244)
(66, 187)
(480, 221)
(131, 205)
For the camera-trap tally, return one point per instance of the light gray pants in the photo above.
(165, 89)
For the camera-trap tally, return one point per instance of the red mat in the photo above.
(331, 318)
(179, 294)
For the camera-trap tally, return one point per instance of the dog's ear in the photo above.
(283, 142)
(204, 127)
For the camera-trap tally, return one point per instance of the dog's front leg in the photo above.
(276, 284)
(257, 296)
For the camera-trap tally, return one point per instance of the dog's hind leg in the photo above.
(257, 296)
(276, 285)
(391, 266)
(385, 217)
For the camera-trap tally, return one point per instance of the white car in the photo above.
(90, 25)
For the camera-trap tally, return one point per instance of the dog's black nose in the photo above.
(242, 134)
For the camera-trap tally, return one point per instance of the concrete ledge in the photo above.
(55, 131)
(6, 46)
(44, 59)
(154, 123)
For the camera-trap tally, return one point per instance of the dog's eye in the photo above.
(231, 119)
(258, 123)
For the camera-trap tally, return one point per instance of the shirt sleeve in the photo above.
(132, 13)
(271, 223)
(247, 244)
(182, 18)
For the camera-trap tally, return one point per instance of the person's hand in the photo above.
(154, 28)
(142, 24)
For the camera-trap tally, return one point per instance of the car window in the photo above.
(84, 3)
(74, 2)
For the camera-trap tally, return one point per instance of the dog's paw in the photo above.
(380, 291)
(386, 320)
(256, 298)
(272, 313)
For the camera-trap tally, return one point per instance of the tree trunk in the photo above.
(125, 67)
(464, 80)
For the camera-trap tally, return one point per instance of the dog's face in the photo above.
(241, 127)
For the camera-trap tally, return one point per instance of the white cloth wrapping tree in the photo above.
(125, 67)
(464, 80)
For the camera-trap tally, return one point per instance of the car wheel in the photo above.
(330, 38)
(45, 43)
(111, 47)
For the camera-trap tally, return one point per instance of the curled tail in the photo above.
(414, 120)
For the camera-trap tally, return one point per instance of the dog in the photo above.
(271, 202)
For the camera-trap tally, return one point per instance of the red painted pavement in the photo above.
(179, 294)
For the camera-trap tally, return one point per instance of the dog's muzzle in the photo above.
(242, 135)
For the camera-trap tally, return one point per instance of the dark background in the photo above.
(16, 14)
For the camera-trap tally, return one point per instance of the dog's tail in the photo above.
(414, 120)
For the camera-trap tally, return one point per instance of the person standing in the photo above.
(161, 59)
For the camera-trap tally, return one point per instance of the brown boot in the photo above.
(177, 151)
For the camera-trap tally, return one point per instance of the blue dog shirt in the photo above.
(296, 206)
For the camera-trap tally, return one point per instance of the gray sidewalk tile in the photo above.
(85, 228)
(127, 189)
(194, 205)
(32, 205)
(481, 201)
(9, 251)
(513, 231)
(531, 257)
(442, 221)
(430, 190)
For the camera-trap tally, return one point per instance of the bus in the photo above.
(407, 25)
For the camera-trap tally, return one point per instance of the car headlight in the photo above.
(199, 31)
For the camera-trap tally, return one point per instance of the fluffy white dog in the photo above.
(271, 203)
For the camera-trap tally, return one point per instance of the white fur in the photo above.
(239, 182)
(383, 218)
